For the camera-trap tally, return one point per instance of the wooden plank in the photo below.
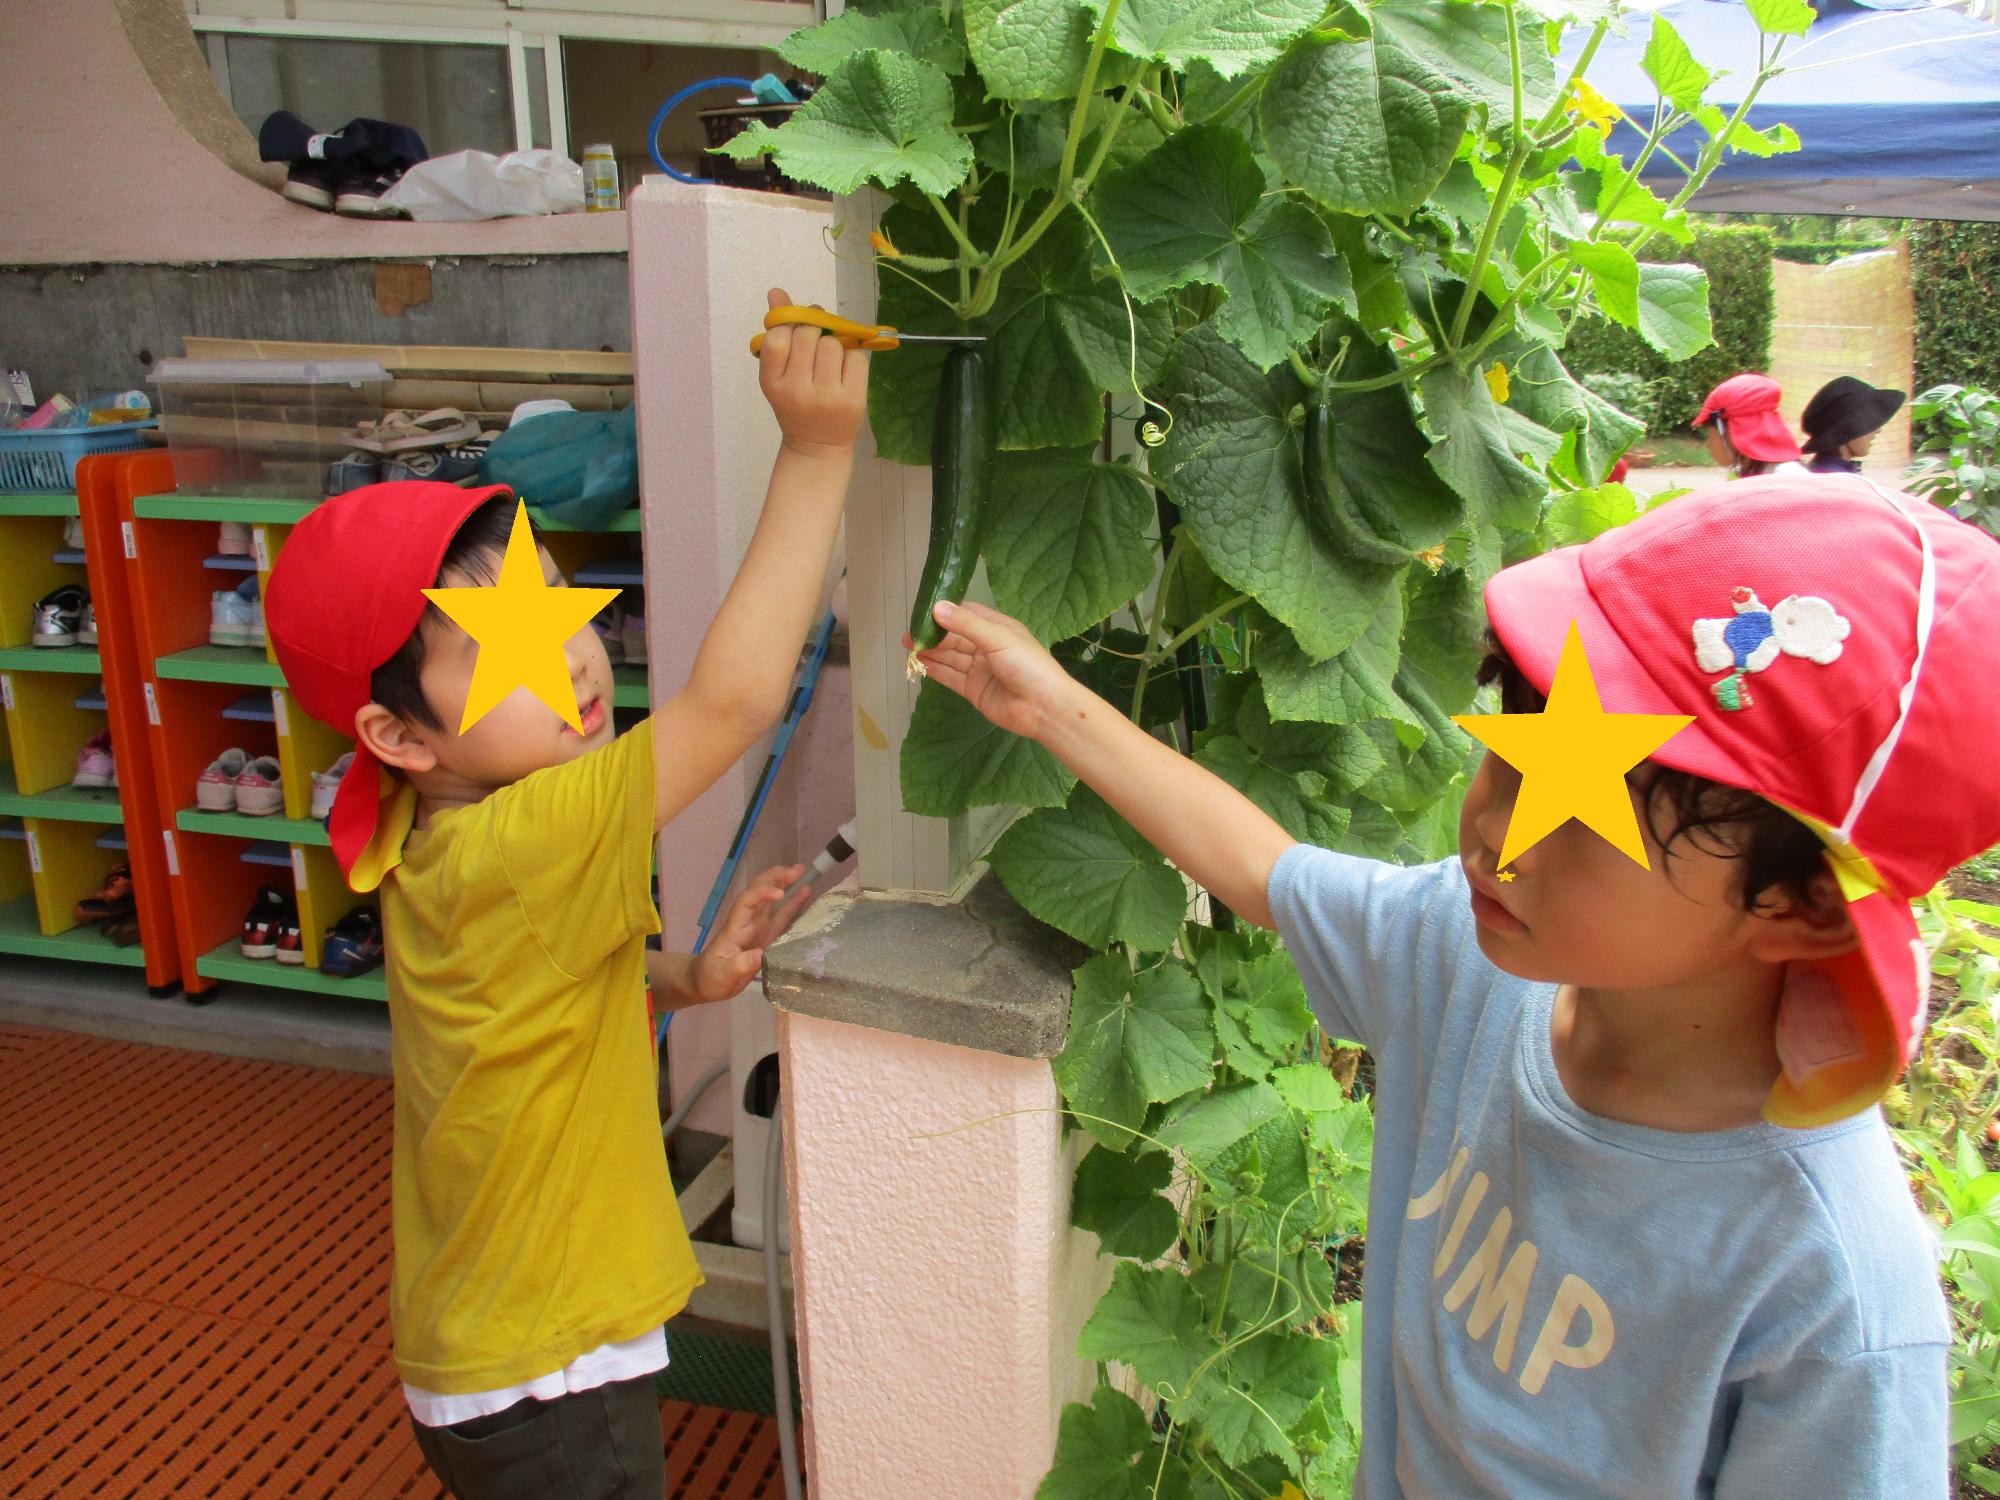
(500, 396)
(580, 365)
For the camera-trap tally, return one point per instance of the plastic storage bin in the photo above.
(264, 427)
(44, 462)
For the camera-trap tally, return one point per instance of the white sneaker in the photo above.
(215, 787)
(73, 533)
(229, 619)
(326, 785)
(86, 633)
(233, 540)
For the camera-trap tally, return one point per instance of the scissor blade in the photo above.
(936, 338)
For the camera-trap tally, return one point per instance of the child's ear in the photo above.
(391, 741)
(1785, 931)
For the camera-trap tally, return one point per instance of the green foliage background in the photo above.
(1955, 274)
(1737, 258)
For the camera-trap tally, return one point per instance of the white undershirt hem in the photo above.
(645, 1355)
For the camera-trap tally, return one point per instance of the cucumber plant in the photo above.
(1322, 257)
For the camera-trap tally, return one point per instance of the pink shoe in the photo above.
(94, 763)
(259, 791)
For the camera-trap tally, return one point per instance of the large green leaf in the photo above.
(882, 118)
(1444, 639)
(1085, 870)
(1673, 310)
(1150, 1321)
(1351, 688)
(1117, 1198)
(1366, 127)
(915, 28)
(1480, 447)
(1579, 515)
(1065, 539)
(1132, 1042)
(1380, 456)
(1231, 36)
(1412, 776)
(1222, 1120)
(1546, 393)
(1057, 340)
(1673, 69)
(953, 759)
(1098, 1449)
(1614, 277)
(1232, 464)
(1196, 210)
(1029, 49)
(1468, 45)
(1246, 1144)
(1265, 1387)
(1781, 17)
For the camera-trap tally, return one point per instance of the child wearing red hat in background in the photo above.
(1636, 1227)
(1744, 432)
(539, 1250)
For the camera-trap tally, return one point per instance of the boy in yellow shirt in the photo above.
(539, 1248)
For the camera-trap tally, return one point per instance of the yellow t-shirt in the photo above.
(534, 1217)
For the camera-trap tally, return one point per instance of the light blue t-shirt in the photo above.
(1559, 1305)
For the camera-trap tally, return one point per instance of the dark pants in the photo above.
(602, 1444)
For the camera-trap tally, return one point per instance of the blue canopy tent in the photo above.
(1897, 106)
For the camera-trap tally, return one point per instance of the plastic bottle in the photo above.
(600, 180)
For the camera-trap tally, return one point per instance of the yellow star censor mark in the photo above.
(521, 625)
(1573, 757)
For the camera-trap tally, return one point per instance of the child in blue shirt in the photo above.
(1636, 1226)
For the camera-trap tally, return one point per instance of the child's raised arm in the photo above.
(1194, 817)
(736, 689)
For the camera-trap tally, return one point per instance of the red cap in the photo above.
(1748, 407)
(346, 592)
(1832, 641)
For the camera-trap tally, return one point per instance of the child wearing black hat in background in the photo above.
(1841, 421)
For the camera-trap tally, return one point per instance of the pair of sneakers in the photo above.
(326, 785)
(113, 907)
(271, 927)
(64, 617)
(236, 616)
(235, 781)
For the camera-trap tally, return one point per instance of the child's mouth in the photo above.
(591, 719)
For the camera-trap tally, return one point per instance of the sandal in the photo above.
(403, 432)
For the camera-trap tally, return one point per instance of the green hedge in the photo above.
(1738, 259)
(1825, 252)
(1955, 274)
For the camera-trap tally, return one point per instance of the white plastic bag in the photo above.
(479, 185)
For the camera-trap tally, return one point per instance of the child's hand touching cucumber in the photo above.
(1199, 821)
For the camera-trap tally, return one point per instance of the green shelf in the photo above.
(245, 508)
(64, 804)
(80, 659)
(236, 825)
(228, 962)
(245, 664)
(251, 509)
(38, 505)
(20, 932)
(629, 688)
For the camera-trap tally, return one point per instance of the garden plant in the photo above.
(1959, 465)
(1313, 268)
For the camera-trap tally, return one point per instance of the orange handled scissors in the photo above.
(851, 334)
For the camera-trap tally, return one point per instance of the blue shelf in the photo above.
(70, 555)
(113, 838)
(264, 852)
(93, 701)
(612, 573)
(224, 562)
(255, 708)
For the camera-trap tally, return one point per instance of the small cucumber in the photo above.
(1328, 504)
(961, 484)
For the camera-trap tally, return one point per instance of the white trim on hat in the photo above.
(1878, 763)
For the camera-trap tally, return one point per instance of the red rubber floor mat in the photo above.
(194, 1292)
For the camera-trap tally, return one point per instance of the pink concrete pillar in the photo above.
(939, 1284)
(702, 258)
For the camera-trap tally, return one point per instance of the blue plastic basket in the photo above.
(44, 463)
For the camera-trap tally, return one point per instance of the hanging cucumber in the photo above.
(1328, 503)
(961, 484)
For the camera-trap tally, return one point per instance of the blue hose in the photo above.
(653, 135)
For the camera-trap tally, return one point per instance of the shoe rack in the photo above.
(203, 699)
(58, 841)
